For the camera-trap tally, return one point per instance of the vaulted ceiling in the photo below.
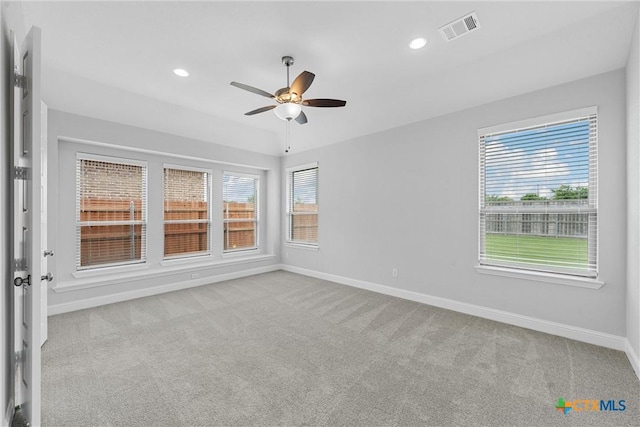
(114, 60)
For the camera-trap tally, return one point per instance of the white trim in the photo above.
(240, 174)
(110, 159)
(302, 167)
(144, 212)
(9, 413)
(209, 220)
(289, 200)
(236, 253)
(103, 270)
(186, 168)
(537, 121)
(593, 234)
(256, 209)
(633, 357)
(155, 152)
(182, 259)
(567, 331)
(300, 245)
(66, 286)
(155, 290)
(539, 276)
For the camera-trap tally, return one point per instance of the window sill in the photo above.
(559, 279)
(103, 271)
(186, 260)
(305, 246)
(240, 253)
(119, 276)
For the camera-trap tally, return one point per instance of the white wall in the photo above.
(11, 18)
(67, 136)
(633, 195)
(408, 199)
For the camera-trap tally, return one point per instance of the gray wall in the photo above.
(62, 229)
(11, 18)
(432, 165)
(633, 193)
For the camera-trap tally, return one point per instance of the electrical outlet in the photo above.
(394, 272)
(195, 275)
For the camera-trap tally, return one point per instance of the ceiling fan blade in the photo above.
(302, 118)
(323, 102)
(260, 110)
(251, 89)
(302, 82)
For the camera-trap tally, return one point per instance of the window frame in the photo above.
(289, 205)
(207, 221)
(585, 278)
(143, 222)
(256, 220)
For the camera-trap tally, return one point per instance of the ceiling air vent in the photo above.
(460, 27)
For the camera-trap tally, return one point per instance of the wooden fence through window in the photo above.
(116, 243)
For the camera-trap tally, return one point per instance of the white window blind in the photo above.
(302, 205)
(187, 219)
(111, 212)
(538, 196)
(240, 211)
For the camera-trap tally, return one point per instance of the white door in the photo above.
(27, 252)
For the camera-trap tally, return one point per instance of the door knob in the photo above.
(48, 252)
(48, 277)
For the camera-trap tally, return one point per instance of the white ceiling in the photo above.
(113, 60)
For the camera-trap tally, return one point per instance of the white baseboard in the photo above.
(633, 357)
(145, 292)
(553, 328)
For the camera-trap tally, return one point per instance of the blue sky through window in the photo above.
(305, 184)
(537, 160)
(240, 189)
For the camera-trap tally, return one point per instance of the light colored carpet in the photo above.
(285, 349)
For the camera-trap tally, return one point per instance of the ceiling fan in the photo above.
(289, 99)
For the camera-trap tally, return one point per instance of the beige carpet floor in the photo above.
(284, 349)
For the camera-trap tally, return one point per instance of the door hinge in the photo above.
(19, 80)
(19, 281)
(21, 172)
(19, 264)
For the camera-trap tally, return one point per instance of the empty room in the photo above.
(282, 213)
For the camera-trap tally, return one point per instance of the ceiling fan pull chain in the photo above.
(288, 136)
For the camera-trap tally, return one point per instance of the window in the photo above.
(111, 211)
(538, 194)
(187, 221)
(240, 211)
(302, 205)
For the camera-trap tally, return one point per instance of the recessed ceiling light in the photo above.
(180, 72)
(418, 43)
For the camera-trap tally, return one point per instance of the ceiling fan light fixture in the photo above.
(288, 110)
